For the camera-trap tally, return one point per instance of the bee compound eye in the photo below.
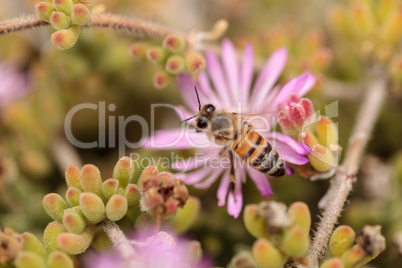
(202, 122)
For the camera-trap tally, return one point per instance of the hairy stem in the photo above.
(116, 22)
(119, 240)
(342, 183)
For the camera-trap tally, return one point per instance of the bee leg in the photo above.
(232, 175)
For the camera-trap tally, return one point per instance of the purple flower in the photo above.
(227, 84)
(13, 84)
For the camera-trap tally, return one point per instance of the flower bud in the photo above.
(299, 215)
(73, 196)
(116, 207)
(243, 259)
(132, 194)
(195, 62)
(266, 255)
(90, 179)
(146, 173)
(321, 158)
(65, 39)
(296, 242)
(321, 59)
(139, 50)
(80, 14)
(338, 20)
(44, 10)
(59, 20)
(255, 224)
(162, 79)
(363, 18)
(31, 243)
(63, 5)
(58, 259)
(109, 188)
(355, 257)
(332, 263)
(27, 259)
(92, 206)
(174, 43)
(392, 28)
(186, 217)
(74, 244)
(124, 171)
(156, 55)
(371, 240)
(74, 223)
(341, 240)
(308, 138)
(54, 206)
(72, 176)
(50, 235)
(175, 64)
(327, 131)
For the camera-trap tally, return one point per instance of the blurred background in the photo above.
(39, 85)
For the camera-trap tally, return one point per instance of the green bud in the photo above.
(296, 242)
(109, 188)
(72, 176)
(58, 259)
(73, 196)
(321, 158)
(27, 259)
(80, 14)
(195, 62)
(54, 206)
(59, 20)
(93, 208)
(124, 171)
(74, 223)
(255, 224)
(174, 64)
(90, 179)
(355, 257)
(243, 259)
(332, 263)
(266, 255)
(156, 55)
(44, 10)
(50, 235)
(139, 50)
(327, 131)
(63, 5)
(162, 79)
(116, 207)
(174, 43)
(341, 240)
(132, 193)
(186, 217)
(65, 39)
(392, 27)
(363, 18)
(147, 172)
(74, 244)
(299, 215)
(32, 243)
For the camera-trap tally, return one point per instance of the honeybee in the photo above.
(238, 136)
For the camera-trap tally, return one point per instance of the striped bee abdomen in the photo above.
(258, 153)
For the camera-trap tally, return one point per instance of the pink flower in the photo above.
(231, 88)
(13, 84)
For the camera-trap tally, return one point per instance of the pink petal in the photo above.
(210, 180)
(223, 189)
(290, 155)
(269, 74)
(246, 74)
(289, 170)
(186, 87)
(261, 181)
(296, 146)
(206, 88)
(215, 72)
(231, 66)
(195, 176)
(235, 199)
(309, 83)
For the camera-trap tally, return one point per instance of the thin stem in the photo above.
(346, 174)
(21, 23)
(118, 239)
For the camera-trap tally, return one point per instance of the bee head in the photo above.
(204, 116)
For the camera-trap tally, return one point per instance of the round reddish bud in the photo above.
(80, 14)
(92, 207)
(341, 240)
(124, 171)
(174, 43)
(54, 205)
(296, 242)
(59, 20)
(267, 255)
(32, 243)
(72, 176)
(195, 62)
(65, 39)
(139, 50)
(332, 263)
(73, 196)
(44, 10)
(132, 193)
(74, 244)
(175, 64)
(26, 259)
(156, 55)
(109, 187)
(50, 235)
(90, 179)
(299, 215)
(74, 223)
(58, 259)
(63, 5)
(162, 79)
(116, 207)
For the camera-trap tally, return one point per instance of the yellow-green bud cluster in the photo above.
(281, 233)
(173, 57)
(66, 17)
(350, 250)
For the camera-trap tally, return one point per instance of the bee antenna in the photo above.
(198, 98)
(185, 120)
